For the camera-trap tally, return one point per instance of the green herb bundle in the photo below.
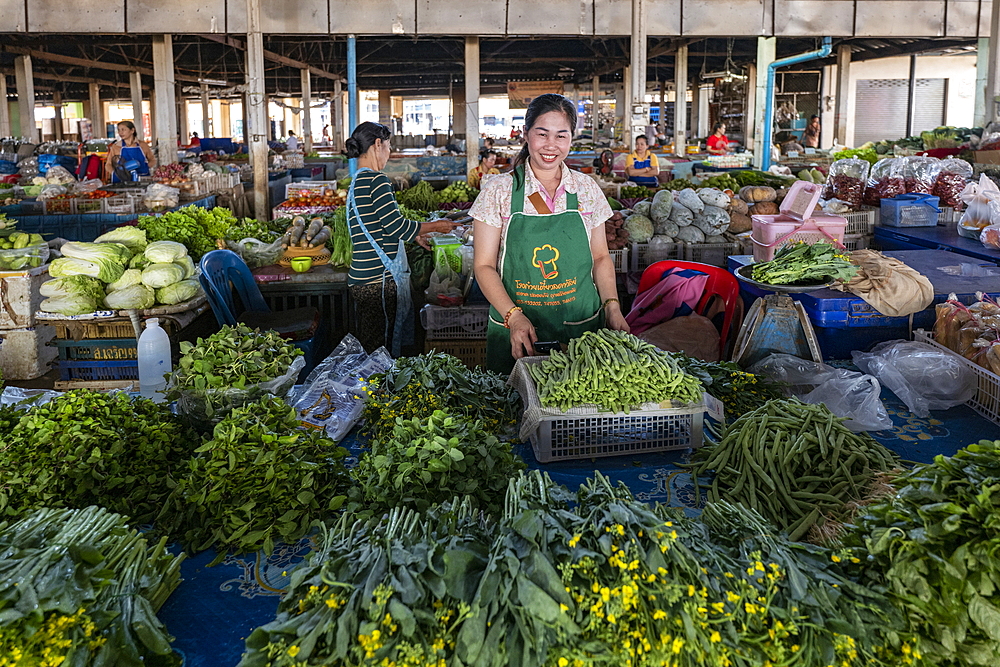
(793, 462)
(80, 588)
(933, 545)
(739, 391)
(88, 448)
(197, 228)
(250, 228)
(260, 479)
(420, 197)
(230, 368)
(594, 578)
(417, 386)
(427, 461)
(804, 263)
(339, 244)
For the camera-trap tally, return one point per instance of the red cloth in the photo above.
(718, 143)
(195, 141)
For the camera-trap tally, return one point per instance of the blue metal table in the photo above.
(941, 237)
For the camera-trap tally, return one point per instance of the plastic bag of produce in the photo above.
(848, 394)
(885, 181)
(332, 397)
(257, 253)
(950, 182)
(921, 376)
(445, 288)
(846, 181)
(160, 197)
(50, 191)
(919, 173)
(983, 201)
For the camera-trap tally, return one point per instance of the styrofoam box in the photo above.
(24, 354)
(19, 297)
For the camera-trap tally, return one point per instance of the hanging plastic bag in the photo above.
(983, 200)
(159, 197)
(923, 377)
(854, 396)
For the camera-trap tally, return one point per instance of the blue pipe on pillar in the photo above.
(352, 93)
(823, 52)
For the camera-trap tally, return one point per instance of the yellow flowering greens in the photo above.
(573, 580)
(79, 588)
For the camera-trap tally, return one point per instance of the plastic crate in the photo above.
(767, 231)
(460, 322)
(472, 353)
(947, 215)
(90, 206)
(583, 432)
(119, 205)
(98, 370)
(332, 300)
(715, 254)
(620, 259)
(112, 327)
(861, 222)
(100, 349)
(857, 241)
(910, 211)
(318, 187)
(644, 255)
(987, 399)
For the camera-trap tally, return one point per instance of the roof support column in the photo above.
(457, 112)
(26, 96)
(352, 94)
(206, 110)
(256, 102)
(96, 112)
(680, 100)
(337, 117)
(166, 104)
(595, 105)
(57, 120)
(4, 108)
(225, 120)
(636, 83)
(843, 94)
(183, 121)
(766, 53)
(472, 103)
(750, 107)
(307, 134)
(982, 74)
(135, 87)
(993, 73)
(385, 108)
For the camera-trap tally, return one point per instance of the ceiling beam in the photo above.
(82, 62)
(275, 57)
(71, 79)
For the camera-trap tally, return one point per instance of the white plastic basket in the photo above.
(620, 258)
(455, 323)
(584, 432)
(715, 254)
(644, 255)
(857, 241)
(987, 399)
(318, 187)
(861, 222)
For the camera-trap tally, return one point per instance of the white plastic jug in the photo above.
(154, 361)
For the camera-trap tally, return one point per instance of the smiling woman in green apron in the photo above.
(379, 279)
(541, 255)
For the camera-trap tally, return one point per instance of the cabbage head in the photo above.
(133, 296)
(69, 305)
(139, 262)
(639, 227)
(132, 238)
(96, 252)
(106, 271)
(162, 274)
(129, 278)
(187, 264)
(72, 286)
(178, 292)
(164, 252)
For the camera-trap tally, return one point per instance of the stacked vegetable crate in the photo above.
(23, 351)
(459, 331)
(644, 255)
(860, 228)
(715, 254)
(987, 399)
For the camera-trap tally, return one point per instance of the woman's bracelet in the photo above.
(506, 318)
(607, 301)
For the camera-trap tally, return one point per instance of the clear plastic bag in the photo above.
(950, 182)
(445, 287)
(332, 397)
(159, 197)
(257, 253)
(51, 191)
(885, 181)
(919, 173)
(854, 396)
(846, 181)
(60, 175)
(89, 185)
(923, 377)
(983, 200)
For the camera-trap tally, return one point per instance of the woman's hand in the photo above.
(522, 335)
(614, 319)
(442, 226)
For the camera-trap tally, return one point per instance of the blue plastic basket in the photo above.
(98, 370)
(913, 210)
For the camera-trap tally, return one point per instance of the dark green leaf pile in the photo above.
(197, 228)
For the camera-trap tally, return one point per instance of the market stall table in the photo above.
(943, 237)
(844, 322)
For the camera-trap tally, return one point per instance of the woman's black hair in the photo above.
(485, 153)
(641, 136)
(364, 137)
(813, 116)
(127, 123)
(717, 126)
(539, 106)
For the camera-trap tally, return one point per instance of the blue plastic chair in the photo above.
(224, 273)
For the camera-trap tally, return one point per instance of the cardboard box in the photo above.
(987, 157)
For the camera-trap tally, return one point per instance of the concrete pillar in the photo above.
(704, 126)
(337, 117)
(4, 108)
(472, 102)
(695, 129)
(225, 119)
(135, 87)
(765, 56)
(595, 104)
(458, 111)
(245, 108)
(97, 111)
(385, 108)
(183, 118)
(206, 114)
(840, 117)
(680, 100)
(750, 107)
(24, 78)
(257, 114)
(57, 120)
(165, 94)
(307, 135)
(993, 69)
(637, 69)
(982, 76)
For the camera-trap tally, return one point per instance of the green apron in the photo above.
(546, 268)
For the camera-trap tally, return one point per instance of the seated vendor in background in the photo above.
(641, 166)
(487, 158)
(718, 143)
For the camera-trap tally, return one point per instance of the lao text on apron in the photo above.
(546, 268)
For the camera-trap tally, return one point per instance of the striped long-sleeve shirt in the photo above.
(378, 209)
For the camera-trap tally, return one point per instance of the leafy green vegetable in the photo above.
(868, 154)
(129, 278)
(87, 448)
(195, 227)
(69, 305)
(131, 237)
(261, 478)
(96, 252)
(803, 263)
(155, 276)
(420, 196)
(251, 228)
(134, 296)
(164, 252)
(739, 391)
(107, 271)
(83, 286)
(178, 292)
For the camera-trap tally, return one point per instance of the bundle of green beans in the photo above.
(615, 371)
(793, 462)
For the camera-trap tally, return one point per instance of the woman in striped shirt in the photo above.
(370, 281)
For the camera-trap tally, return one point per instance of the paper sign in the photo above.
(793, 153)
(810, 151)
(715, 409)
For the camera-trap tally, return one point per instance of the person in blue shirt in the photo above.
(641, 166)
(128, 149)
